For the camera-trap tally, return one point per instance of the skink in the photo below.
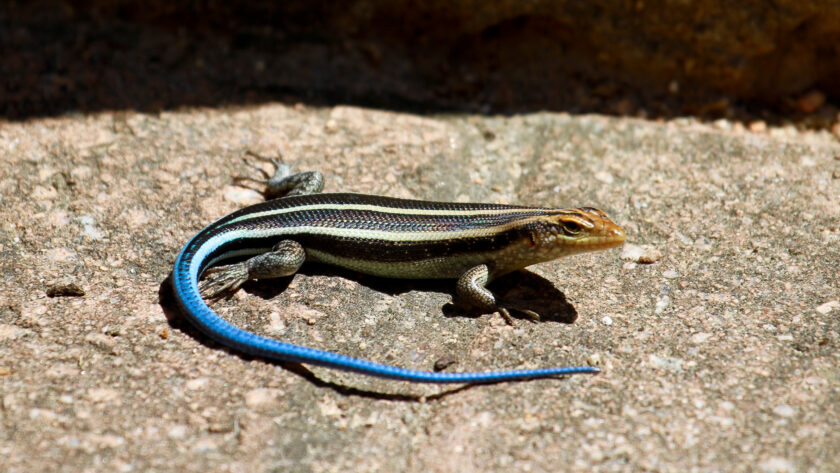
(381, 236)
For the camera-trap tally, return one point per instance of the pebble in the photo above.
(827, 307)
(329, 407)
(11, 332)
(604, 177)
(700, 337)
(205, 445)
(197, 383)
(101, 441)
(661, 304)
(264, 399)
(60, 255)
(89, 227)
(178, 432)
(444, 362)
(276, 324)
(641, 255)
(650, 256)
(784, 410)
(777, 465)
(631, 252)
(65, 289)
(667, 363)
(106, 395)
(758, 126)
(102, 341)
(703, 244)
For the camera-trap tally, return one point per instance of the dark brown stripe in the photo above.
(374, 249)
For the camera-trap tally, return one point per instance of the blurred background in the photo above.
(710, 58)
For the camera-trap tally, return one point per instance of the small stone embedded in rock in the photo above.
(65, 290)
(777, 465)
(784, 410)
(11, 332)
(177, 432)
(604, 177)
(703, 243)
(102, 341)
(631, 252)
(757, 126)
(668, 363)
(700, 337)
(264, 400)
(196, 384)
(105, 395)
(651, 256)
(444, 362)
(662, 303)
(89, 227)
(827, 307)
(639, 254)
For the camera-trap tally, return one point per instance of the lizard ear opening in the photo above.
(532, 238)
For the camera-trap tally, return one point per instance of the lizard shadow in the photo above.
(520, 290)
(176, 320)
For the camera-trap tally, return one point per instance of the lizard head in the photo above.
(557, 233)
(571, 231)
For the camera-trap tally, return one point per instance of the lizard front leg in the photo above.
(471, 289)
(284, 182)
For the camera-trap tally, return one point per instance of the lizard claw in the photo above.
(228, 280)
(277, 162)
(280, 170)
(529, 314)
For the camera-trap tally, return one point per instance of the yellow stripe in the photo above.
(382, 209)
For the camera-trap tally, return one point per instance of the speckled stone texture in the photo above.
(720, 353)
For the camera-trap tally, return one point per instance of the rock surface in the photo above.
(721, 355)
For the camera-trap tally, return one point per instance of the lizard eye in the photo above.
(571, 228)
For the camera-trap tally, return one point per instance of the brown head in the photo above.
(566, 232)
(558, 233)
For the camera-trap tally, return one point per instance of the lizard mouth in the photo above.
(611, 237)
(603, 233)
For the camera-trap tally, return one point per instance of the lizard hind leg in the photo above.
(223, 280)
(284, 259)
